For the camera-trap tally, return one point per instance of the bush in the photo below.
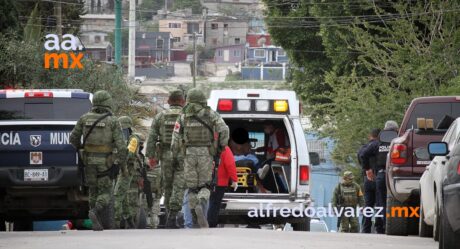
(233, 76)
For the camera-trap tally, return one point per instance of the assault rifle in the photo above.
(147, 189)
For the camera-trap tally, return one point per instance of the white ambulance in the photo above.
(284, 197)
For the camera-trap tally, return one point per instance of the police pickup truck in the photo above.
(284, 199)
(39, 178)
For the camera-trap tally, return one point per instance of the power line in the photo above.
(282, 17)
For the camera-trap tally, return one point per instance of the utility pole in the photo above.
(166, 6)
(58, 13)
(118, 33)
(194, 59)
(132, 40)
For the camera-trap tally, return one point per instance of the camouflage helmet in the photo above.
(125, 122)
(348, 175)
(140, 136)
(102, 98)
(195, 95)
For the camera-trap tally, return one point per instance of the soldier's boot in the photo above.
(180, 219)
(200, 217)
(194, 219)
(171, 220)
(97, 225)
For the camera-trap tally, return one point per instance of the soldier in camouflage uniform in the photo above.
(348, 194)
(159, 148)
(104, 147)
(126, 188)
(202, 134)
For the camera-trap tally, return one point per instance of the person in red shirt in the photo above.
(226, 172)
(277, 139)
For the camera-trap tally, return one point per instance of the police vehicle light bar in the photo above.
(280, 106)
(38, 94)
(225, 105)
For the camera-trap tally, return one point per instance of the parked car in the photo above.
(430, 186)
(449, 215)
(408, 157)
(139, 79)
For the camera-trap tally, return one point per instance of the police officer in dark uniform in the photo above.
(380, 182)
(367, 158)
(378, 151)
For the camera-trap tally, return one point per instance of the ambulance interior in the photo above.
(277, 177)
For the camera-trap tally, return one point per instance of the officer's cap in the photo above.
(391, 125)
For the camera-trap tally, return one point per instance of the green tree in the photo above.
(32, 31)
(359, 63)
(195, 5)
(23, 68)
(148, 8)
(8, 16)
(71, 11)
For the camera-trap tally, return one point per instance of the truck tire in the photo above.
(2, 225)
(424, 230)
(395, 225)
(447, 237)
(304, 225)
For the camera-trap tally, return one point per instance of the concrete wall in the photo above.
(182, 69)
(220, 69)
(156, 73)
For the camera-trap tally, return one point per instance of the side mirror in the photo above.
(387, 136)
(314, 158)
(438, 149)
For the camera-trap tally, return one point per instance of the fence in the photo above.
(264, 72)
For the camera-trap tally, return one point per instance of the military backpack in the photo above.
(349, 194)
(166, 130)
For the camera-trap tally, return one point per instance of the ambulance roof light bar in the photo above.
(225, 105)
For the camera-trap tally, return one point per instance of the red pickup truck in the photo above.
(408, 158)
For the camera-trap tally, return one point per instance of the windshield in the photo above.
(43, 108)
(435, 111)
